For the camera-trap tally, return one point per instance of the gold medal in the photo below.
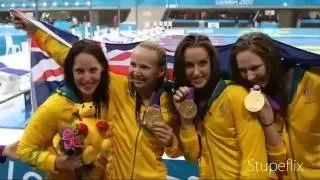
(254, 101)
(188, 109)
(152, 115)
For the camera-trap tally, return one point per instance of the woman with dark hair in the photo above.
(85, 81)
(272, 76)
(228, 139)
(91, 48)
(292, 97)
(255, 60)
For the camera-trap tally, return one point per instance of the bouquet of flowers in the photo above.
(72, 140)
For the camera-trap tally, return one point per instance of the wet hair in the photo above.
(101, 94)
(161, 54)
(264, 47)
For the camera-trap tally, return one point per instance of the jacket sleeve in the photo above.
(37, 137)
(190, 144)
(55, 49)
(278, 154)
(250, 137)
(175, 150)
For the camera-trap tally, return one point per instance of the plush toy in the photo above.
(86, 135)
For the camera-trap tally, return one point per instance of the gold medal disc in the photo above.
(188, 109)
(152, 115)
(254, 101)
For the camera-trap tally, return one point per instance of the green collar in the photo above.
(68, 92)
(297, 76)
(222, 84)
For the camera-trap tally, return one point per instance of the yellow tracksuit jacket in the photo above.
(36, 147)
(233, 143)
(302, 131)
(137, 153)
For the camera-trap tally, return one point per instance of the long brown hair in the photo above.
(263, 46)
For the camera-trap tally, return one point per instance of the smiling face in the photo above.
(87, 74)
(252, 68)
(197, 66)
(145, 69)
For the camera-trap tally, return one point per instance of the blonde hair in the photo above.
(152, 45)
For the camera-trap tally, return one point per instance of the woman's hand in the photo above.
(11, 150)
(163, 133)
(178, 97)
(68, 162)
(20, 22)
(265, 115)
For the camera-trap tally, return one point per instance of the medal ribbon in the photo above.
(156, 99)
(190, 94)
(274, 104)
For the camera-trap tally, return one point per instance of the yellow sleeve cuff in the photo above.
(190, 143)
(174, 150)
(174, 145)
(278, 153)
(277, 149)
(187, 135)
(56, 50)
